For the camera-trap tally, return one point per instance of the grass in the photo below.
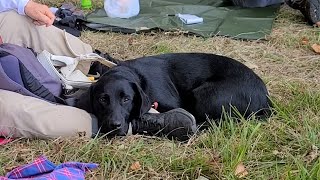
(284, 146)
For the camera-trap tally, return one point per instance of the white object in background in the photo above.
(190, 19)
(122, 8)
(53, 9)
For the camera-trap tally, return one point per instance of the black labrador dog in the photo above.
(203, 84)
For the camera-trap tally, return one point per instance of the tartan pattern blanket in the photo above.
(43, 169)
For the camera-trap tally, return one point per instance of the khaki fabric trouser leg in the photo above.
(20, 30)
(24, 116)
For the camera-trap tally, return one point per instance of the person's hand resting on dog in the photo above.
(40, 13)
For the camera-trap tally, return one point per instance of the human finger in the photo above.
(50, 23)
(50, 14)
(51, 17)
(38, 23)
(43, 19)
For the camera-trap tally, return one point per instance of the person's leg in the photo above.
(24, 116)
(309, 8)
(19, 30)
(255, 3)
(296, 4)
(29, 117)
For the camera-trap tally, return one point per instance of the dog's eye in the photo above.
(126, 99)
(102, 100)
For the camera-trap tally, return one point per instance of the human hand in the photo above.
(40, 13)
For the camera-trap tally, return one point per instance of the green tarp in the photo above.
(219, 19)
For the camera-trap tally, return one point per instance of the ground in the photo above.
(286, 146)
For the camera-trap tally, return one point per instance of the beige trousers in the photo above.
(22, 116)
(18, 29)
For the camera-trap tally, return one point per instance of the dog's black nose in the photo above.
(116, 125)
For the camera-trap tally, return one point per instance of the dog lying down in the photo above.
(203, 84)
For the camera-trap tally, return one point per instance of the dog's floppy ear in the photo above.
(141, 101)
(85, 100)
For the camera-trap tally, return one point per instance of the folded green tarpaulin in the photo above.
(219, 19)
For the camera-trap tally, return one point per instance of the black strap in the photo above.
(35, 87)
(4, 54)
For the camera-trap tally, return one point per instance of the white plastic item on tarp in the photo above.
(122, 8)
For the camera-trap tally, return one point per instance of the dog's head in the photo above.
(115, 100)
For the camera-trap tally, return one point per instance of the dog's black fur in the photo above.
(203, 84)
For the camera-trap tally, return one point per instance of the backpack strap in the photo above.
(3, 53)
(34, 86)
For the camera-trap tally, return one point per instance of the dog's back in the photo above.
(201, 83)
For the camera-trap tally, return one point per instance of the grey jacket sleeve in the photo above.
(17, 5)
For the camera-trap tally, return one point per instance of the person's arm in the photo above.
(17, 5)
(40, 13)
